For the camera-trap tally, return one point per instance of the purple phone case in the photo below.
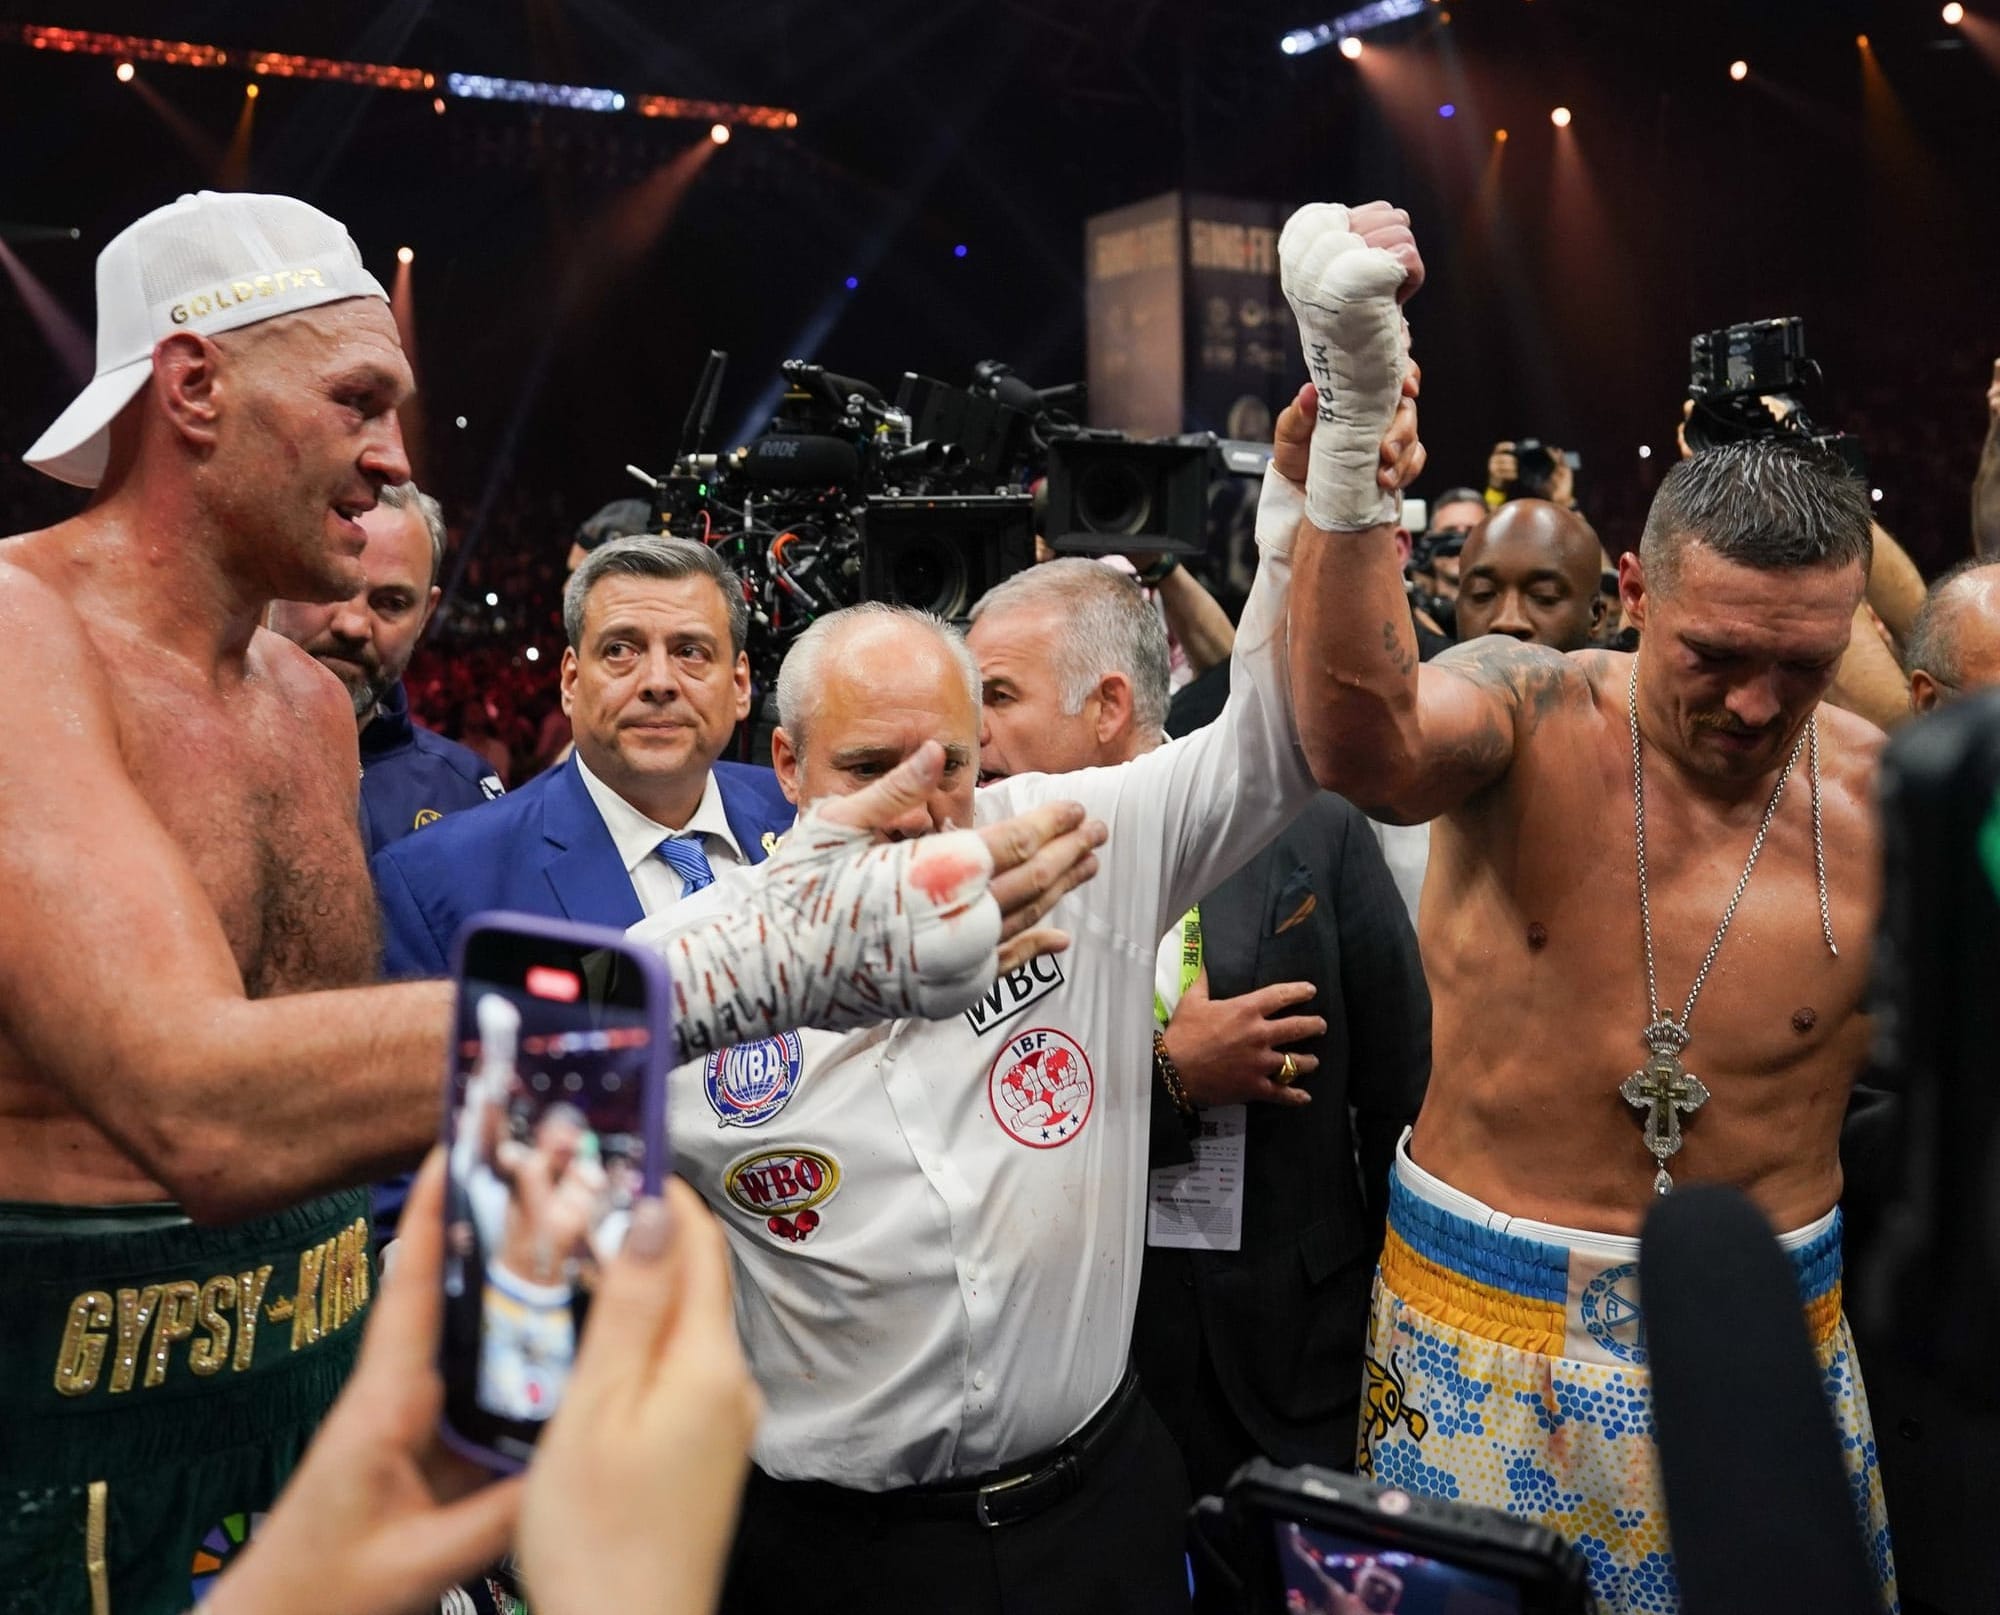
(652, 1103)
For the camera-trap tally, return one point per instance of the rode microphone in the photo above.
(1757, 1494)
(800, 460)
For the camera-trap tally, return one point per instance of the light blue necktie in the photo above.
(685, 858)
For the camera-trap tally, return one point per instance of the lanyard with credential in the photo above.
(1190, 929)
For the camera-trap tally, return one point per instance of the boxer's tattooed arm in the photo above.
(1533, 680)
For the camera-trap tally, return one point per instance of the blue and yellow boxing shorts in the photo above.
(1507, 1367)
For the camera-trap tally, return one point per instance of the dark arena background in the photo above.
(917, 202)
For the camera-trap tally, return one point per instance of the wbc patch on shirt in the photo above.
(1040, 1088)
(785, 1187)
(1014, 992)
(749, 1084)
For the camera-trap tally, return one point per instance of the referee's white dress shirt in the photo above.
(937, 1225)
(637, 838)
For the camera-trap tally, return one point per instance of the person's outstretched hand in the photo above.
(633, 1493)
(377, 1520)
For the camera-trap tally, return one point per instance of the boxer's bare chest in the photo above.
(262, 811)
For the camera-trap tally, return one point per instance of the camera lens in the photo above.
(1113, 497)
(931, 579)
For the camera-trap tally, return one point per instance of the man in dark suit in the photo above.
(1296, 1051)
(655, 681)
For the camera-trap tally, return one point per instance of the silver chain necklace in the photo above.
(1663, 1087)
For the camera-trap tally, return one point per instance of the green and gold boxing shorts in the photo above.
(162, 1381)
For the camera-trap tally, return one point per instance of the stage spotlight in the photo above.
(1447, 111)
(493, 599)
(532, 654)
(1350, 47)
(459, 422)
(1289, 45)
(1739, 71)
(1861, 40)
(437, 105)
(1645, 451)
(1500, 135)
(125, 72)
(1875, 494)
(959, 250)
(1954, 13)
(249, 92)
(719, 133)
(405, 255)
(1560, 117)
(852, 283)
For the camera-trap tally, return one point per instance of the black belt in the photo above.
(1006, 1496)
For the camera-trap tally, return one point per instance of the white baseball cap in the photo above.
(210, 262)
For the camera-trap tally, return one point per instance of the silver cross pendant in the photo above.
(1663, 1088)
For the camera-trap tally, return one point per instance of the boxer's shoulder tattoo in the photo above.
(1533, 679)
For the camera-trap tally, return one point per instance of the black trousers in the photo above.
(1118, 1547)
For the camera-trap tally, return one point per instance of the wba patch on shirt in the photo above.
(1014, 992)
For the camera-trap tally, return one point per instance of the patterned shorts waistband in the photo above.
(1558, 1291)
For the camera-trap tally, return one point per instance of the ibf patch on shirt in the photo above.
(785, 1187)
(1040, 1088)
(751, 1083)
(1014, 992)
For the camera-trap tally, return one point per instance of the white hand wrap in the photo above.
(1344, 294)
(836, 932)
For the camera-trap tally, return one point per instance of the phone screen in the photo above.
(1326, 1573)
(555, 1129)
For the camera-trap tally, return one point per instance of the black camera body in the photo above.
(1535, 468)
(922, 502)
(1754, 380)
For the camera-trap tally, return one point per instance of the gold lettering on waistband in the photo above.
(305, 1301)
(206, 1356)
(249, 1297)
(135, 1311)
(83, 1342)
(149, 1321)
(174, 1321)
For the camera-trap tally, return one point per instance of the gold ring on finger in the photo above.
(1288, 1069)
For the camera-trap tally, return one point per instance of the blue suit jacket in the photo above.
(543, 849)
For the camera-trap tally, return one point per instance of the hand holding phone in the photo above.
(554, 1129)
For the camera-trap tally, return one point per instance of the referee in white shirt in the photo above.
(937, 1226)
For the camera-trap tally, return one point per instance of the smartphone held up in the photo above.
(554, 1127)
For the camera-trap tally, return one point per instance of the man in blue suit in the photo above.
(655, 681)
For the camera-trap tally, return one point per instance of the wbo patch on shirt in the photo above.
(785, 1187)
(490, 787)
(749, 1084)
(1041, 1087)
(1014, 992)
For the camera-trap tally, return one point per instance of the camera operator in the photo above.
(1530, 469)
(1434, 559)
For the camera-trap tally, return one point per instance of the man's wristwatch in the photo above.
(1159, 571)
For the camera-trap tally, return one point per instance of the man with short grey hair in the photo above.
(1954, 645)
(1102, 640)
(410, 777)
(655, 681)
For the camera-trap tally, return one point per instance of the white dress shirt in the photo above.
(937, 1226)
(637, 839)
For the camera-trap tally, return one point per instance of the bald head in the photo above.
(1531, 572)
(1954, 645)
